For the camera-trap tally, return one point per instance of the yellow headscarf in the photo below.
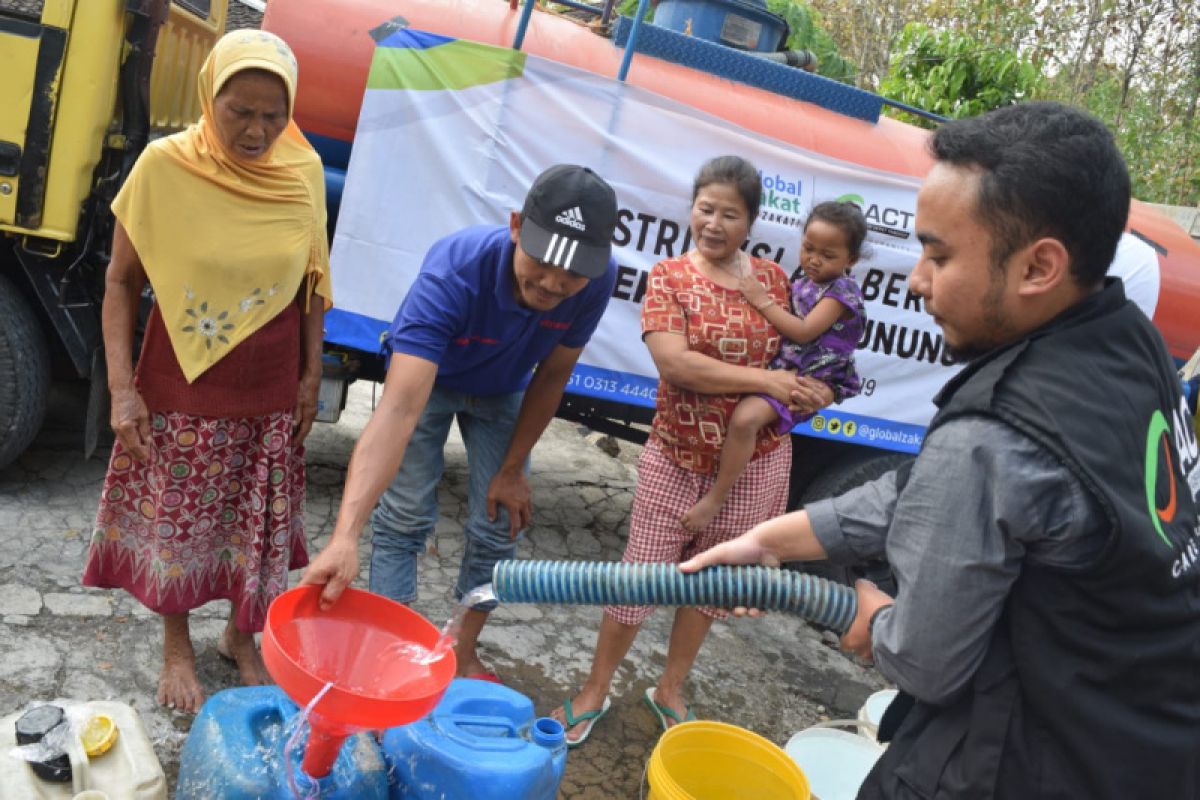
(227, 243)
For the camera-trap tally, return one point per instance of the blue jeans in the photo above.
(408, 510)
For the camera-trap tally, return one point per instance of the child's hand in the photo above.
(755, 293)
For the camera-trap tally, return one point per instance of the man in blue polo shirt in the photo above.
(490, 304)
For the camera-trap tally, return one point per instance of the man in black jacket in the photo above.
(1045, 633)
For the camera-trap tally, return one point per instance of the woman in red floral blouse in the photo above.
(711, 347)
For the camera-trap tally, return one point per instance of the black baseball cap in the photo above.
(568, 220)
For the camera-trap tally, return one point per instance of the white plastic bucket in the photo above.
(129, 770)
(835, 762)
(871, 713)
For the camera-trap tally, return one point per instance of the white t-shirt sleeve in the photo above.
(1136, 264)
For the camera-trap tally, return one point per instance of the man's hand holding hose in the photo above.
(791, 538)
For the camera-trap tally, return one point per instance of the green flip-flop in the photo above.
(663, 712)
(590, 717)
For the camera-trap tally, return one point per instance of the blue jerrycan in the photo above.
(481, 742)
(235, 752)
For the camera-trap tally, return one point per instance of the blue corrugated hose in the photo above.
(616, 583)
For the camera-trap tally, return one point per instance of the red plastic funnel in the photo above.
(364, 646)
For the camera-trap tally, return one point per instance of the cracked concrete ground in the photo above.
(774, 675)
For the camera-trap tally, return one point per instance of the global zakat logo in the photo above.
(572, 218)
(781, 192)
(782, 198)
(882, 219)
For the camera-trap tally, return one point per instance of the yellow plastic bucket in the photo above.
(705, 760)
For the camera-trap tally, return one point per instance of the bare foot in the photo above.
(469, 666)
(178, 686)
(697, 518)
(466, 639)
(586, 700)
(239, 647)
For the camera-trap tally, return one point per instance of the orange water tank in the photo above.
(332, 40)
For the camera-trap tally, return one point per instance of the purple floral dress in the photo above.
(830, 357)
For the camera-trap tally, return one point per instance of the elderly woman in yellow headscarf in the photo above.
(204, 494)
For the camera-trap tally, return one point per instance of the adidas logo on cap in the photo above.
(572, 218)
(554, 228)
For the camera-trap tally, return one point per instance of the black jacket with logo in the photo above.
(1091, 684)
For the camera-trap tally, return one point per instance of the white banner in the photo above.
(434, 155)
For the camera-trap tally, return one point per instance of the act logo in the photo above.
(1161, 502)
(1167, 442)
(881, 219)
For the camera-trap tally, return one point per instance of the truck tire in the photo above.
(840, 477)
(853, 470)
(24, 373)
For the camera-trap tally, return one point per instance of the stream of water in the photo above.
(390, 681)
(449, 637)
(292, 768)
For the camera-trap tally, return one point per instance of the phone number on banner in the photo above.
(609, 384)
(623, 387)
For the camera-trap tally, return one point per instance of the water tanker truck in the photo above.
(417, 163)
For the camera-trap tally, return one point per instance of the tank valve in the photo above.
(803, 59)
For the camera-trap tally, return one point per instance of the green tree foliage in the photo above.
(954, 75)
(1133, 63)
(627, 8)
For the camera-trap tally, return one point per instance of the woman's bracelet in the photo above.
(764, 306)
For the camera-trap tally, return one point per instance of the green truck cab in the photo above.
(86, 84)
